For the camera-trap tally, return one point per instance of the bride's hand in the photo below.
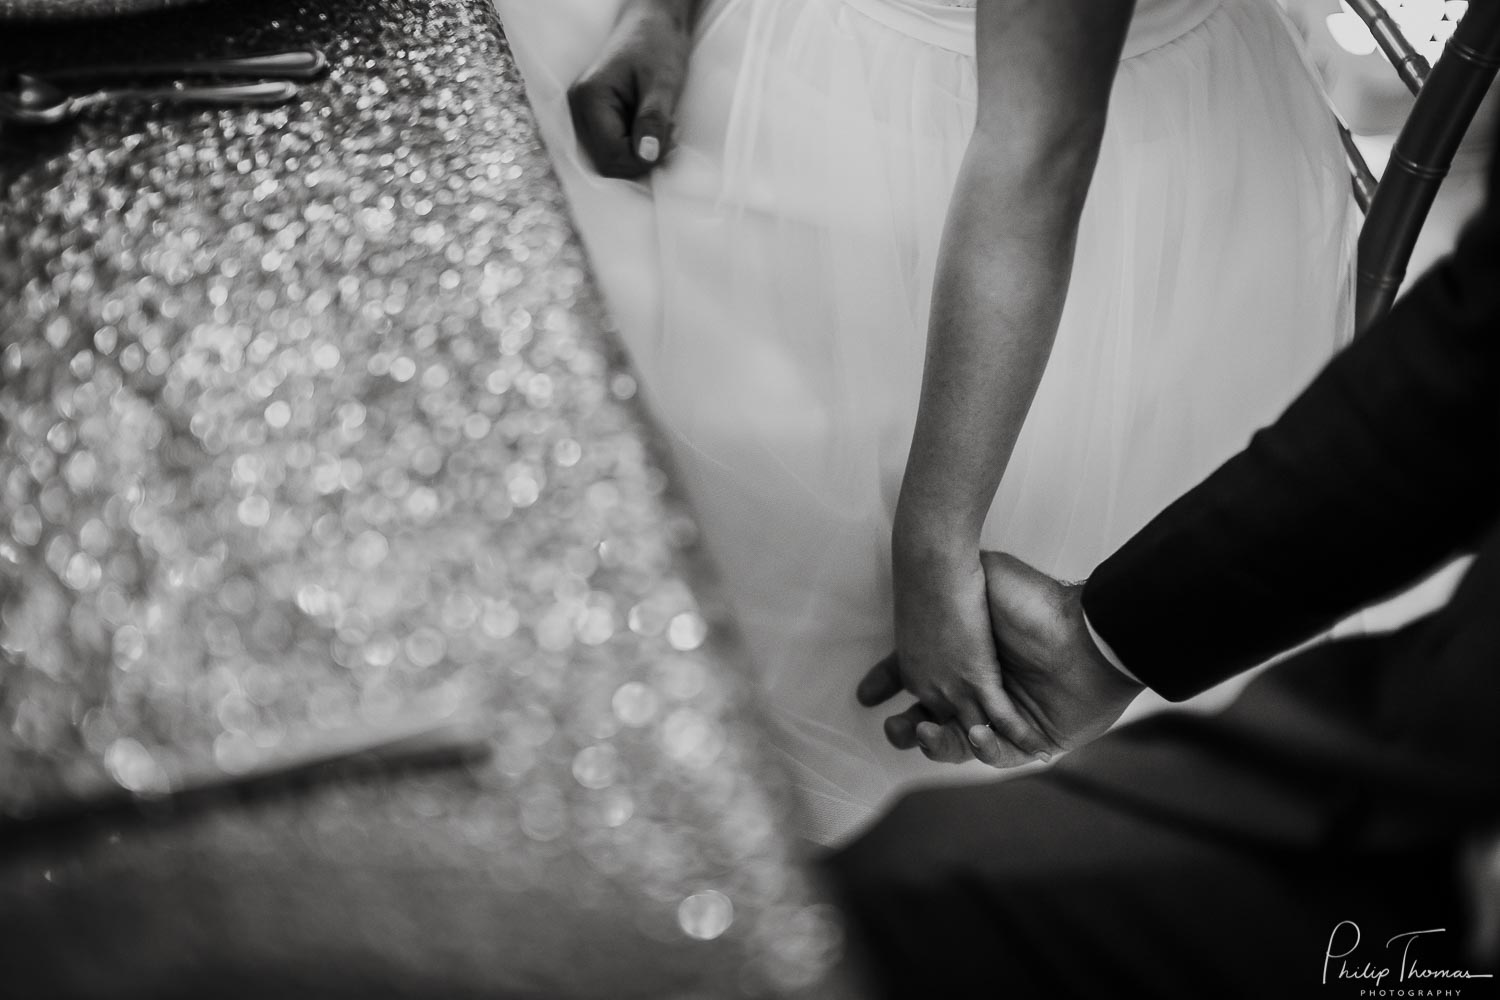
(623, 105)
(946, 657)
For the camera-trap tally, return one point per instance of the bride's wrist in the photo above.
(930, 544)
(680, 12)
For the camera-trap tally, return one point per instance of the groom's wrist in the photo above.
(1103, 647)
(1097, 646)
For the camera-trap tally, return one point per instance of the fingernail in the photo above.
(649, 148)
(1044, 756)
(926, 733)
(977, 734)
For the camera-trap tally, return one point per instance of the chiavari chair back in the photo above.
(1448, 93)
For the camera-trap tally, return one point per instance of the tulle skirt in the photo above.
(772, 285)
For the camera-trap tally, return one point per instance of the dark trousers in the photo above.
(1047, 887)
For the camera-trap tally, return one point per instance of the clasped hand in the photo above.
(1002, 665)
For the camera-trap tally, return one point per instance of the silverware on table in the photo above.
(59, 95)
(295, 64)
(32, 105)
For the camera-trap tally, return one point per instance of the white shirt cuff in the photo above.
(1104, 648)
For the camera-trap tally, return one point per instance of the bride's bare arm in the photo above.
(623, 105)
(1045, 72)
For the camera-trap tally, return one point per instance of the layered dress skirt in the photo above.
(772, 282)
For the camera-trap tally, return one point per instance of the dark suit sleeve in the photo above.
(1385, 466)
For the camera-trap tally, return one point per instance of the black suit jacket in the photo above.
(1388, 465)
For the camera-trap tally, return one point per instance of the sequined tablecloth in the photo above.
(307, 417)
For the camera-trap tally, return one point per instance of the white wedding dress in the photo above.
(772, 282)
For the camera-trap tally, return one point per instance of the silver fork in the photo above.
(295, 64)
(48, 105)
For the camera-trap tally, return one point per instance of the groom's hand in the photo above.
(1051, 670)
(624, 104)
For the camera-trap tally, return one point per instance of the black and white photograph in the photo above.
(765, 499)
